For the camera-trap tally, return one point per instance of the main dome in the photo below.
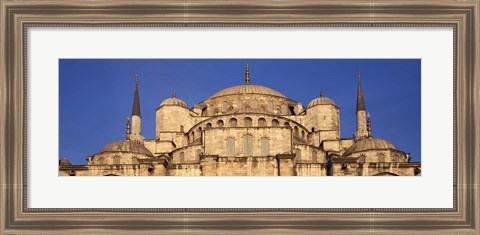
(247, 89)
(126, 146)
(369, 144)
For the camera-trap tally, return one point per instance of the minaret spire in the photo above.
(136, 128)
(360, 101)
(247, 75)
(362, 131)
(136, 99)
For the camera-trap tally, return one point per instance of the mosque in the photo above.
(247, 130)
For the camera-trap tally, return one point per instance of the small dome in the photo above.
(64, 162)
(321, 100)
(174, 102)
(369, 144)
(247, 89)
(126, 146)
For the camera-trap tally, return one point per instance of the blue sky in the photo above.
(96, 95)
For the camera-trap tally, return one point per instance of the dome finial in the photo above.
(128, 128)
(321, 93)
(369, 125)
(247, 75)
(174, 95)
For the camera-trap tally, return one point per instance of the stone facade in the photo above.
(247, 130)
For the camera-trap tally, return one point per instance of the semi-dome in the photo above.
(247, 89)
(126, 146)
(174, 102)
(65, 162)
(369, 144)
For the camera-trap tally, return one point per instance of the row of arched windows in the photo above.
(248, 146)
(247, 122)
(226, 107)
(116, 160)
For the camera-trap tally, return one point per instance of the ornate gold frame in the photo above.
(17, 16)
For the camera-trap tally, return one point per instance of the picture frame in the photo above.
(17, 16)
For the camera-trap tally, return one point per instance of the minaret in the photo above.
(136, 133)
(247, 75)
(369, 125)
(128, 128)
(361, 132)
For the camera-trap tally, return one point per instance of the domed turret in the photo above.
(321, 101)
(174, 101)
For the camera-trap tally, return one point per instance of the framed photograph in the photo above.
(208, 103)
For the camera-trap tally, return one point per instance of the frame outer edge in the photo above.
(3, 113)
(476, 112)
(7, 149)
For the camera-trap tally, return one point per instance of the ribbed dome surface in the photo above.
(127, 146)
(174, 102)
(321, 100)
(369, 144)
(247, 89)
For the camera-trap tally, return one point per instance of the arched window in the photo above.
(230, 147)
(232, 122)
(116, 160)
(381, 157)
(265, 146)
(292, 110)
(303, 135)
(209, 125)
(239, 104)
(220, 123)
(283, 109)
(262, 122)
(247, 145)
(225, 106)
(211, 110)
(287, 124)
(247, 121)
(295, 131)
(192, 136)
(181, 129)
(298, 154)
(181, 159)
(270, 106)
(199, 131)
(255, 104)
(204, 111)
(275, 122)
